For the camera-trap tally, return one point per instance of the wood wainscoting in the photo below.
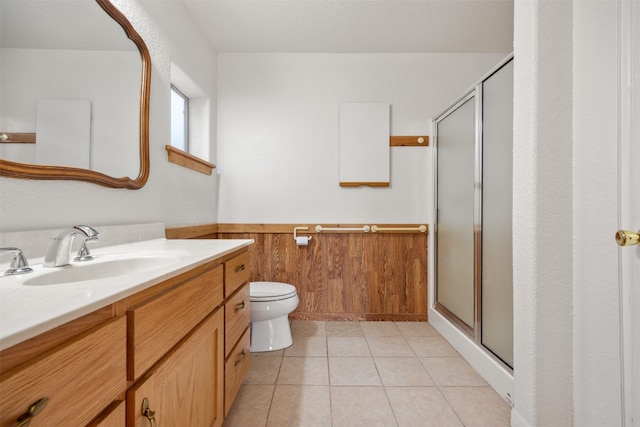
(340, 275)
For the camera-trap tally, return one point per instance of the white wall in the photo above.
(565, 273)
(278, 132)
(596, 332)
(174, 195)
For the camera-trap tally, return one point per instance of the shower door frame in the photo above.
(474, 332)
(471, 330)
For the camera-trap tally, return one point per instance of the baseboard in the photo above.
(497, 375)
(394, 317)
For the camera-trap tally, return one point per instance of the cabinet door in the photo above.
(185, 388)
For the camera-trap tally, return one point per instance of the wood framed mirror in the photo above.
(116, 134)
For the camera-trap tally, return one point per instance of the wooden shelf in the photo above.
(190, 161)
(409, 141)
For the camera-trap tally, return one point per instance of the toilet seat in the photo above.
(271, 291)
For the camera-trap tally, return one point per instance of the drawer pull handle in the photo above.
(239, 306)
(25, 419)
(242, 355)
(148, 413)
(239, 268)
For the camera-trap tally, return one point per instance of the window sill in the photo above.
(187, 160)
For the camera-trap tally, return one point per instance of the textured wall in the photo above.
(565, 260)
(278, 132)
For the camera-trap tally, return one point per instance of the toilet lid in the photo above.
(269, 291)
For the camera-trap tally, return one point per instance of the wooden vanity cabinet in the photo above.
(180, 347)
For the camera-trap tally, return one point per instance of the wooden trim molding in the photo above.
(187, 160)
(17, 138)
(204, 231)
(210, 231)
(409, 141)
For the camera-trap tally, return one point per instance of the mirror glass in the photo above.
(74, 78)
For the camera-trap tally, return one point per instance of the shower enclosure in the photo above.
(473, 200)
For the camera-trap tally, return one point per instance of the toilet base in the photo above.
(271, 335)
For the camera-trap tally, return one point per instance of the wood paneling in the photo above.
(354, 276)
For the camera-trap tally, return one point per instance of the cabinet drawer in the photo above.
(236, 272)
(236, 317)
(155, 327)
(80, 378)
(235, 369)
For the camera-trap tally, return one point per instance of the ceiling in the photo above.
(356, 26)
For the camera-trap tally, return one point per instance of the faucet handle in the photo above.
(19, 264)
(83, 252)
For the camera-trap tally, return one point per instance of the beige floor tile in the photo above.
(431, 347)
(251, 407)
(379, 329)
(478, 406)
(353, 371)
(304, 371)
(263, 370)
(452, 371)
(348, 347)
(421, 406)
(389, 347)
(314, 346)
(361, 406)
(344, 328)
(307, 328)
(296, 406)
(416, 329)
(402, 371)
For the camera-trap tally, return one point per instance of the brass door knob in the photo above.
(627, 238)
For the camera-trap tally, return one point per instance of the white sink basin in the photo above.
(103, 267)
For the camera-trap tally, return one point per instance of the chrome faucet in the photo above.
(60, 250)
(19, 264)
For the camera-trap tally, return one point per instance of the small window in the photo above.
(179, 120)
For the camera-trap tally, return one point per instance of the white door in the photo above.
(629, 205)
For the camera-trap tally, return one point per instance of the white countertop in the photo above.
(26, 311)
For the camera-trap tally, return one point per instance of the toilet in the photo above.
(271, 303)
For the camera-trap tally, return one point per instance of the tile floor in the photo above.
(365, 374)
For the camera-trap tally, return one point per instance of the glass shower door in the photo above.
(455, 198)
(497, 260)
